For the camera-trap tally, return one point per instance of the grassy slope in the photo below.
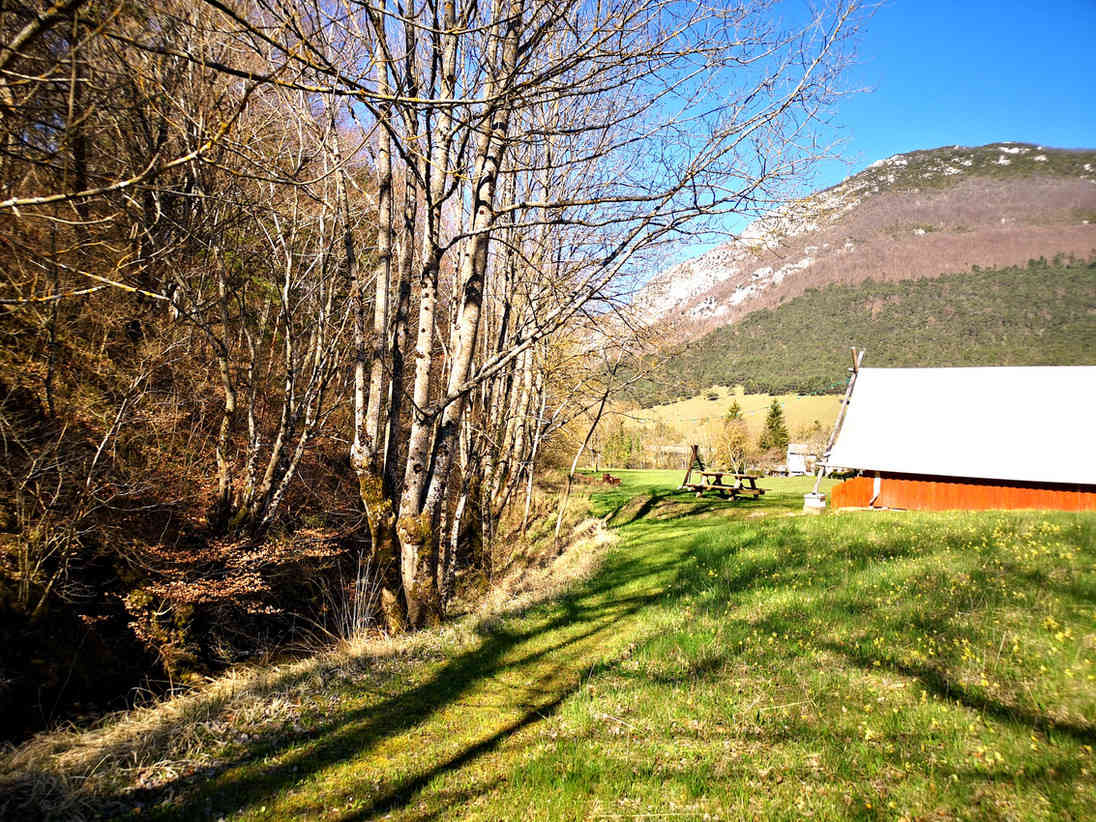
(1041, 314)
(697, 412)
(730, 661)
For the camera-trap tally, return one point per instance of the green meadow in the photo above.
(728, 660)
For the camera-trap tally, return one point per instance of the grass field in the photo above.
(697, 413)
(728, 661)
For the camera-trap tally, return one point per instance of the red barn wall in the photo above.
(927, 493)
(852, 493)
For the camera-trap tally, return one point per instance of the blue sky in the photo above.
(970, 72)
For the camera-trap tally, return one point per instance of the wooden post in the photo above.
(694, 461)
(857, 359)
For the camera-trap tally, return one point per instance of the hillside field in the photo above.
(696, 415)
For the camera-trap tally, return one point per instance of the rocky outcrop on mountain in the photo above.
(913, 215)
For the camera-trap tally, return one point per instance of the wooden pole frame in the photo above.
(694, 460)
(857, 360)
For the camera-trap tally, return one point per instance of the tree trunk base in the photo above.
(392, 612)
(419, 568)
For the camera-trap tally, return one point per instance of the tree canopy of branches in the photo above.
(392, 230)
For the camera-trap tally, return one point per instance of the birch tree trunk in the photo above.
(472, 274)
(418, 544)
(367, 451)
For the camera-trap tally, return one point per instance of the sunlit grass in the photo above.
(858, 664)
(734, 659)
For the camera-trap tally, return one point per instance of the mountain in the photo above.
(1041, 313)
(914, 215)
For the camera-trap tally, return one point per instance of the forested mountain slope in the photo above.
(1043, 313)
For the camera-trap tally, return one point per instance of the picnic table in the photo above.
(726, 484)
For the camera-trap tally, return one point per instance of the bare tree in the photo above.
(523, 164)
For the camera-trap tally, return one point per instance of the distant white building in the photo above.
(799, 459)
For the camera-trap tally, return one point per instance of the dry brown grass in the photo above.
(547, 576)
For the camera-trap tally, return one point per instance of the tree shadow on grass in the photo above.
(682, 503)
(834, 589)
(937, 681)
(641, 510)
(592, 614)
(401, 794)
(810, 583)
(587, 617)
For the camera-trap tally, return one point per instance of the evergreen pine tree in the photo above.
(775, 434)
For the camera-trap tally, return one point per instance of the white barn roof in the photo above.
(1034, 424)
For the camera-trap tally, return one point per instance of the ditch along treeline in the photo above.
(290, 304)
(1038, 314)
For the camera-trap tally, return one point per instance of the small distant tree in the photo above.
(733, 443)
(734, 412)
(775, 434)
(623, 447)
(813, 436)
